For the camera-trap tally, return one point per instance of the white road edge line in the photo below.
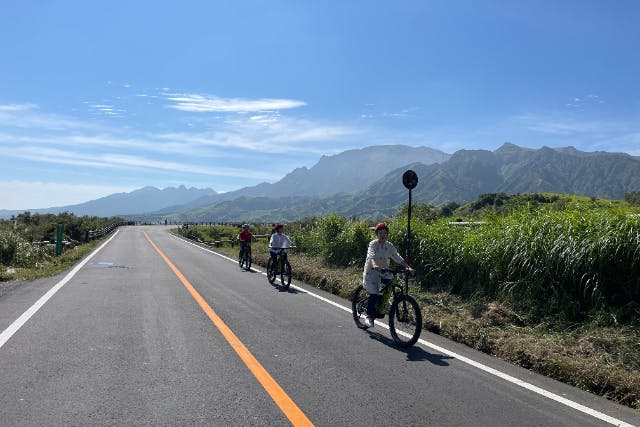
(482, 367)
(20, 321)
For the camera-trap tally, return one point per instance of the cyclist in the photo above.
(278, 242)
(245, 237)
(378, 254)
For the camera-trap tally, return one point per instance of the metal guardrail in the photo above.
(94, 234)
(233, 241)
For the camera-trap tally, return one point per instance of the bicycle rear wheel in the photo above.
(271, 271)
(359, 306)
(405, 321)
(285, 275)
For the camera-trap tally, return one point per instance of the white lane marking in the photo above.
(528, 386)
(20, 321)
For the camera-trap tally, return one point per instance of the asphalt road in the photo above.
(133, 337)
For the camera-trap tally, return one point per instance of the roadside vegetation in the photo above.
(27, 243)
(546, 281)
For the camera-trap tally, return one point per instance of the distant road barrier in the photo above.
(95, 234)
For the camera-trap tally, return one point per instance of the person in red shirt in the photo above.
(245, 237)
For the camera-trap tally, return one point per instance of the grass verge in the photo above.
(50, 267)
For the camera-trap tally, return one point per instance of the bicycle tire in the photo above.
(359, 303)
(271, 271)
(285, 275)
(241, 259)
(405, 321)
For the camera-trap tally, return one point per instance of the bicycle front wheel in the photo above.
(359, 304)
(285, 275)
(405, 321)
(271, 271)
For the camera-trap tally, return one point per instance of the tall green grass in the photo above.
(572, 264)
(337, 240)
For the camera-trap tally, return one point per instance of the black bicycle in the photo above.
(405, 318)
(282, 268)
(244, 258)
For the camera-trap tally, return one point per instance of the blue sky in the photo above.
(104, 97)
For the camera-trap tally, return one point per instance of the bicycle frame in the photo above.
(244, 246)
(281, 258)
(394, 287)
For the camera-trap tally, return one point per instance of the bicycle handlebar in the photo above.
(397, 271)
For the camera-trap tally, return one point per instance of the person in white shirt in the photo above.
(278, 242)
(379, 252)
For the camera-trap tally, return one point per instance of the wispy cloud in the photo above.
(107, 110)
(121, 161)
(581, 130)
(589, 100)
(201, 103)
(563, 125)
(268, 132)
(29, 116)
(271, 134)
(18, 107)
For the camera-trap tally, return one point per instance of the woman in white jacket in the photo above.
(278, 242)
(379, 253)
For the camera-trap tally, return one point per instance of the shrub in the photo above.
(16, 251)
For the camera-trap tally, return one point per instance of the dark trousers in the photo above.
(243, 247)
(274, 256)
(373, 301)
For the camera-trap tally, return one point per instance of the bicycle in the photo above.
(244, 258)
(282, 268)
(405, 318)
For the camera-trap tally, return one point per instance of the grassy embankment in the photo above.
(27, 251)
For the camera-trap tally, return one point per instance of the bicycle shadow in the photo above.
(288, 290)
(414, 353)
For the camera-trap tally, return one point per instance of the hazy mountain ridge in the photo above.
(331, 175)
(339, 173)
(512, 169)
(467, 174)
(146, 199)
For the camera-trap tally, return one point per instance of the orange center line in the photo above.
(279, 396)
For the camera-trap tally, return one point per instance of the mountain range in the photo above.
(367, 183)
(146, 199)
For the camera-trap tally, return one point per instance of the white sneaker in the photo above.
(368, 322)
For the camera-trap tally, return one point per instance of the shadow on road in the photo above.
(414, 354)
(289, 290)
